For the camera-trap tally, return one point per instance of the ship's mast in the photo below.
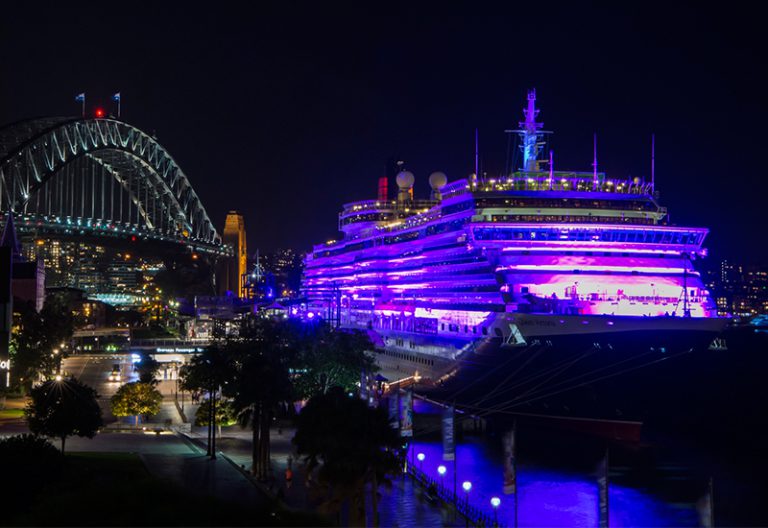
(531, 135)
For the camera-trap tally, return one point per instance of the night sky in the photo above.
(285, 111)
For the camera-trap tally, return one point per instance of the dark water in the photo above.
(547, 496)
(715, 426)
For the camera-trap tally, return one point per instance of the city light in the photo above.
(441, 469)
(495, 502)
(467, 485)
(421, 457)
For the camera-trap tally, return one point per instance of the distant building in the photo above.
(283, 269)
(232, 270)
(741, 289)
(28, 276)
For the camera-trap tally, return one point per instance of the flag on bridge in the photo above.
(80, 98)
(116, 98)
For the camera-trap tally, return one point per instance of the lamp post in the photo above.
(420, 457)
(495, 502)
(441, 469)
(467, 487)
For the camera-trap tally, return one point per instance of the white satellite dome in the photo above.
(405, 180)
(437, 180)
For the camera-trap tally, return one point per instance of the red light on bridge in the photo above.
(99, 112)
(133, 238)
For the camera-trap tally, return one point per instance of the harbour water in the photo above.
(713, 434)
(548, 496)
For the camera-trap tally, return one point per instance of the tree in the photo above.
(29, 463)
(64, 408)
(147, 367)
(331, 358)
(351, 444)
(134, 399)
(261, 383)
(208, 372)
(36, 336)
(225, 414)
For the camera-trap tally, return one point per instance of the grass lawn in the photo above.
(11, 413)
(115, 489)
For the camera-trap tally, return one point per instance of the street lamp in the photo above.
(420, 457)
(495, 502)
(467, 487)
(441, 469)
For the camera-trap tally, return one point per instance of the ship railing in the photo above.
(544, 181)
(384, 205)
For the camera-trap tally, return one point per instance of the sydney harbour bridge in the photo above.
(104, 182)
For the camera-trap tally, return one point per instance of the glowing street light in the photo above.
(467, 487)
(441, 469)
(420, 457)
(58, 377)
(495, 502)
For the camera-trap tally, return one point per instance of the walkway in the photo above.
(171, 457)
(404, 504)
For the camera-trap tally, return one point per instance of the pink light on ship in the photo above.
(588, 267)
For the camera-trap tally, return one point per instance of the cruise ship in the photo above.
(540, 291)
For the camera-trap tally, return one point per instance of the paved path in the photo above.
(171, 457)
(403, 504)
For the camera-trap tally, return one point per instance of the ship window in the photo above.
(485, 330)
(466, 329)
(442, 326)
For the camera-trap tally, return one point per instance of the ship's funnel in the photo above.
(405, 181)
(437, 180)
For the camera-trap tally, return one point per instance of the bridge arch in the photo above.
(101, 175)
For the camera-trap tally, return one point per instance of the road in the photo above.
(94, 371)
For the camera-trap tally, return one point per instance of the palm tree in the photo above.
(351, 445)
(210, 371)
(260, 387)
(261, 383)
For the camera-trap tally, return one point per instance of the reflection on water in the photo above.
(545, 497)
